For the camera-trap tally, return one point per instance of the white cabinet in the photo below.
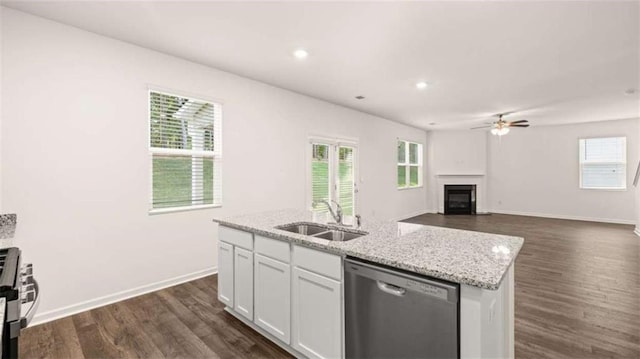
(243, 282)
(225, 273)
(317, 321)
(273, 296)
(291, 293)
(235, 270)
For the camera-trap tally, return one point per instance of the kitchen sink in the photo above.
(332, 233)
(339, 236)
(308, 229)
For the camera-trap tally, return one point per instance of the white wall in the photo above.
(536, 171)
(532, 171)
(459, 152)
(1, 9)
(75, 164)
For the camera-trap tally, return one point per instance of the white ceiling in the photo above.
(553, 62)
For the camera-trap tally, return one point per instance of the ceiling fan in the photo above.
(501, 127)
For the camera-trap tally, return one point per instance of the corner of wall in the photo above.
(637, 231)
(430, 178)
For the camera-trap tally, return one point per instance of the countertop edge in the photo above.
(302, 240)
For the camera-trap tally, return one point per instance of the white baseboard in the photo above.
(48, 316)
(560, 216)
(637, 231)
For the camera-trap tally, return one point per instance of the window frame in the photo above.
(407, 164)
(215, 155)
(581, 162)
(334, 144)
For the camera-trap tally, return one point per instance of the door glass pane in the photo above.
(402, 176)
(413, 153)
(413, 176)
(402, 151)
(320, 175)
(346, 179)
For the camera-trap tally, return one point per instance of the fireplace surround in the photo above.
(460, 199)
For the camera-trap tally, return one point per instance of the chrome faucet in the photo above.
(337, 215)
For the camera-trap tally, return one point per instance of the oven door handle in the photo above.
(24, 321)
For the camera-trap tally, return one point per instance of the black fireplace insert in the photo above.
(460, 199)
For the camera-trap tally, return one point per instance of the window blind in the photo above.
(186, 151)
(346, 179)
(320, 176)
(603, 163)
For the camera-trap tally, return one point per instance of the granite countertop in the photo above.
(7, 225)
(465, 257)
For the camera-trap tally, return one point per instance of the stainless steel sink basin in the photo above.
(339, 236)
(308, 229)
(331, 233)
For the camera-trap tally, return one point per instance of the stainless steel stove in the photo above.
(20, 292)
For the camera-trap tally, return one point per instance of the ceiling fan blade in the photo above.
(522, 125)
(519, 121)
(475, 128)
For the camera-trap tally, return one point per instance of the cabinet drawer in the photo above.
(273, 248)
(236, 237)
(323, 263)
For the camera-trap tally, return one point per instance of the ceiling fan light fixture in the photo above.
(500, 131)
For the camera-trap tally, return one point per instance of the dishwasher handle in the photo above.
(391, 289)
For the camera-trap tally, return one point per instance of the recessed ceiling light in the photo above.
(300, 54)
(421, 85)
(360, 97)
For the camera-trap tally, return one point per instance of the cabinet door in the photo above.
(243, 282)
(225, 273)
(273, 296)
(317, 325)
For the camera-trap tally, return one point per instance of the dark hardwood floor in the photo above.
(185, 321)
(577, 284)
(577, 296)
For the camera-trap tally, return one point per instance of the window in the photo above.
(333, 175)
(185, 147)
(409, 164)
(603, 163)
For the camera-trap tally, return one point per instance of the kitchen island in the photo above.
(266, 268)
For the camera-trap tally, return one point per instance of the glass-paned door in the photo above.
(333, 176)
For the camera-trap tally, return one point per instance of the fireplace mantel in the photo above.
(470, 178)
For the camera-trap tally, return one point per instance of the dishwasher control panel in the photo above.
(427, 289)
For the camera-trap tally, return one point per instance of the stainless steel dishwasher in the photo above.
(390, 313)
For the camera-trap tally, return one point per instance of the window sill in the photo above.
(182, 209)
(406, 188)
(603, 189)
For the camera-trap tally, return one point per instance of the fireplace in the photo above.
(460, 199)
